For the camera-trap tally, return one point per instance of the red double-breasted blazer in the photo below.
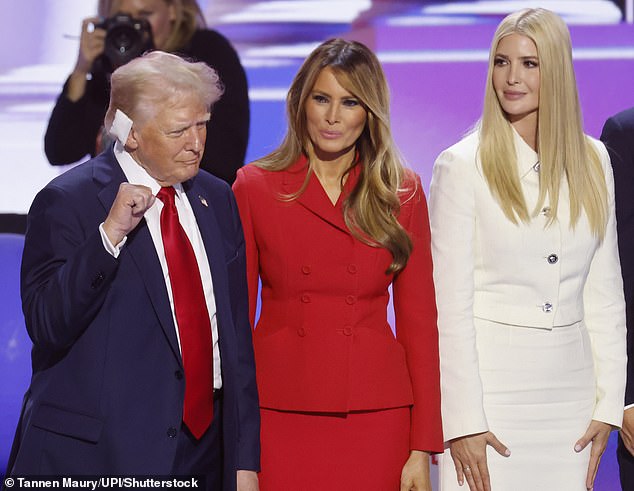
(322, 341)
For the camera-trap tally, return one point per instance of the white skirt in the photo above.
(539, 395)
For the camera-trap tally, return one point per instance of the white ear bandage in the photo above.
(121, 126)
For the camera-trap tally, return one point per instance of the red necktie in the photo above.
(192, 317)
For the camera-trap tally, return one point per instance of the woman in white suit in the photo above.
(528, 281)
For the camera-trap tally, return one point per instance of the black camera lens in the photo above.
(122, 38)
(126, 38)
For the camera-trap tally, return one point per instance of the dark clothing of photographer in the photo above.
(74, 128)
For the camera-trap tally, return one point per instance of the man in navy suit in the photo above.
(108, 388)
(618, 136)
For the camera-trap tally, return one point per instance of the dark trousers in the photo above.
(626, 466)
(202, 457)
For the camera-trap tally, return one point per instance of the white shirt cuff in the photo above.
(113, 250)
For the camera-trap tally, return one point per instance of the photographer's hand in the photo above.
(91, 45)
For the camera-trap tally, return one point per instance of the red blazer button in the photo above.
(347, 331)
(350, 299)
(301, 332)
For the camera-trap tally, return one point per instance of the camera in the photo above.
(126, 38)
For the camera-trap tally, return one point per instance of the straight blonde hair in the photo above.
(564, 150)
(371, 209)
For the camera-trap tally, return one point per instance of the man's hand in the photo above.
(248, 481)
(130, 204)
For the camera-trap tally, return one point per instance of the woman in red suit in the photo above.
(331, 221)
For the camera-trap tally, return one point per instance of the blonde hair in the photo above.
(189, 18)
(564, 150)
(371, 209)
(147, 83)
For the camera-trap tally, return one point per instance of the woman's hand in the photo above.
(597, 433)
(627, 430)
(91, 44)
(470, 458)
(415, 473)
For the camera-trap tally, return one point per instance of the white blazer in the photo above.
(527, 275)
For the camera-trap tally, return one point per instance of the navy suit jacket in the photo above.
(107, 388)
(618, 136)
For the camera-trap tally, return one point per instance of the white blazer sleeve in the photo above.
(452, 220)
(604, 308)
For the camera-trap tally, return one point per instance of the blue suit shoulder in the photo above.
(206, 179)
(101, 168)
(624, 118)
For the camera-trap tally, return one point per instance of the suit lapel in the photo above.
(207, 224)
(140, 248)
(202, 206)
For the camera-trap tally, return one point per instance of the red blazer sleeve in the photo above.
(253, 266)
(416, 322)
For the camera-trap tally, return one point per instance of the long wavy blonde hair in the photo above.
(189, 18)
(371, 209)
(564, 150)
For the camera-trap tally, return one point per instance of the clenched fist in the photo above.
(130, 204)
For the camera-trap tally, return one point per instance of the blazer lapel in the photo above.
(314, 197)
(527, 158)
(140, 248)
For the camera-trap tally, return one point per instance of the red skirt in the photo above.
(334, 451)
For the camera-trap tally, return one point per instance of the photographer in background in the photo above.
(177, 26)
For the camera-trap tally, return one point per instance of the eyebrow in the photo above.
(192, 122)
(528, 57)
(327, 94)
(177, 126)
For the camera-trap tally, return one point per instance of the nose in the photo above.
(332, 115)
(513, 76)
(195, 140)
